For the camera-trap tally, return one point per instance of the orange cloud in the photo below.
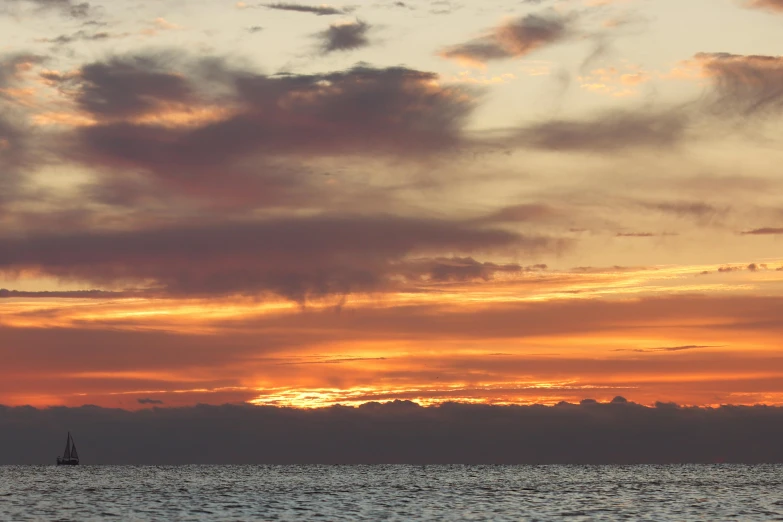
(614, 81)
(769, 5)
(535, 337)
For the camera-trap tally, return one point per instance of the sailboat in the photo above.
(70, 457)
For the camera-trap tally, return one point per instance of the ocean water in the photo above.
(659, 493)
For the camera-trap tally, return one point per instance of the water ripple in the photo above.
(194, 493)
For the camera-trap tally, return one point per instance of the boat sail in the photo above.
(70, 456)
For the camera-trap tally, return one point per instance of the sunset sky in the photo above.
(503, 202)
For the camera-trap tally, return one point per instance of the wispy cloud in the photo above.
(610, 131)
(514, 39)
(744, 84)
(769, 5)
(146, 401)
(767, 231)
(70, 8)
(320, 10)
(684, 348)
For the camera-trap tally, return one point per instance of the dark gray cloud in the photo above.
(603, 270)
(361, 110)
(728, 269)
(611, 131)
(668, 348)
(526, 212)
(767, 231)
(320, 10)
(454, 269)
(683, 348)
(296, 258)
(344, 37)
(400, 432)
(694, 209)
(78, 36)
(70, 8)
(744, 84)
(74, 294)
(147, 401)
(257, 124)
(514, 39)
(127, 86)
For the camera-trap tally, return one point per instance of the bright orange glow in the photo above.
(520, 339)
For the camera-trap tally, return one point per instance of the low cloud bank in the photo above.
(400, 432)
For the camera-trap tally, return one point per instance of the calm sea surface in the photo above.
(721, 492)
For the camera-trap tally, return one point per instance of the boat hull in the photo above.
(61, 462)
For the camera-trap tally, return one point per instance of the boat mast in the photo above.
(67, 454)
(74, 454)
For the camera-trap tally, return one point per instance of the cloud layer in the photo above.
(295, 258)
(400, 433)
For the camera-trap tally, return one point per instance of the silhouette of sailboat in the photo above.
(70, 457)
